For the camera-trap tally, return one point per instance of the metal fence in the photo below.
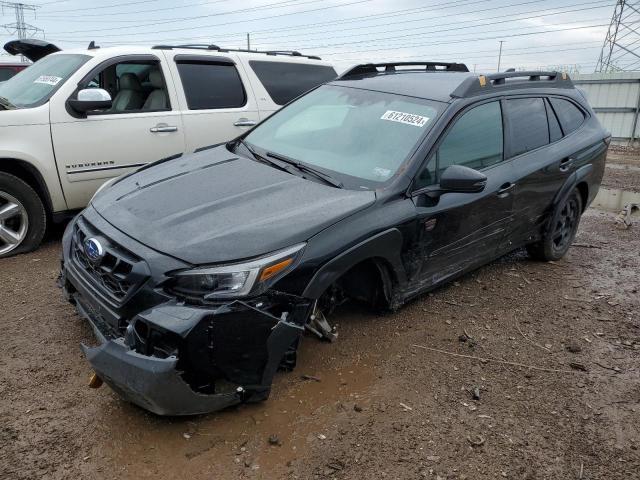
(615, 97)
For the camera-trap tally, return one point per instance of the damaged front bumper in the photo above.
(177, 358)
(152, 383)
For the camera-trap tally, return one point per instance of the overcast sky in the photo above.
(536, 33)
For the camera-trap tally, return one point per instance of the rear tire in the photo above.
(23, 218)
(562, 230)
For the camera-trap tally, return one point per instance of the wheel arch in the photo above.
(583, 188)
(382, 252)
(31, 176)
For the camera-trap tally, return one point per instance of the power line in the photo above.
(101, 7)
(516, 51)
(101, 15)
(505, 19)
(404, 22)
(475, 39)
(359, 18)
(456, 28)
(217, 14)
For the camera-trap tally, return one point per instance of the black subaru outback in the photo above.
(199, 274)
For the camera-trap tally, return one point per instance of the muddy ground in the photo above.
(552, 349)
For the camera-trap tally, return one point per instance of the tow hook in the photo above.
(319, 326)
(95, 381)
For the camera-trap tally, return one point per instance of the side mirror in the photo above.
(89, 99)
(457, 178)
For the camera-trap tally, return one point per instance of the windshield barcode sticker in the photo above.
(47, 80)
(406, 118)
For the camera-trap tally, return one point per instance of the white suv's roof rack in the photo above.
(216, 48)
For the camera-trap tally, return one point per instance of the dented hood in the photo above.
(215, 206)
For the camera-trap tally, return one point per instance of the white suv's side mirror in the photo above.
(90, 99)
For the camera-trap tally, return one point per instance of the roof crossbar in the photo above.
(199, 46)
(478, 85)
(369, 68)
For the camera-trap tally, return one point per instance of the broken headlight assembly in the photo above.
(234, 280)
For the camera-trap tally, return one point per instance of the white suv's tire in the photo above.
(23, 218)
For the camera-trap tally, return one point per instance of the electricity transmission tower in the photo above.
(20, 27)
(620, 50)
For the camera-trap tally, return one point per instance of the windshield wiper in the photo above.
(306, 168)
(7, 104)
(262, 159)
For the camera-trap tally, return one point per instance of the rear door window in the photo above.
(570, 116)
(528, 124)
(285, 81)
(211, 85)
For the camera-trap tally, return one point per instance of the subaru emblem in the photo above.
(93, 249)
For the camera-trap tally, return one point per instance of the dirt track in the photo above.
(390, 402)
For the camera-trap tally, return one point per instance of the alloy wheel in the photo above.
(14, 223)
(566, 225)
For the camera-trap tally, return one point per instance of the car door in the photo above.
(216, 99)
(459, 231)
(541, 154)
(94, 147)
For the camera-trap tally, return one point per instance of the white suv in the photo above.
(76, 118)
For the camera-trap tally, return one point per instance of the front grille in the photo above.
(117, 274)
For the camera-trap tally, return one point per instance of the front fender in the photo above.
(386, 245)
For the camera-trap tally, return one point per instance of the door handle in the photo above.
(244, 122)
(505, 189)
(163, 128)
(566, 164)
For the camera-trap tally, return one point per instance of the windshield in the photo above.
(359, 133)
(34, 85)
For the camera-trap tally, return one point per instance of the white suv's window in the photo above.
(35, 85)
(134, 86)
(211, 85)
(285, 81)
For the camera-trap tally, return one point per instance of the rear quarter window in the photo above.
(570, 116)
(285, 81)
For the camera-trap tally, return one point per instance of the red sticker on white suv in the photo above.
(406, 118)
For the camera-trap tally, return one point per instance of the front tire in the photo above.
(23, 218)
(562, 230)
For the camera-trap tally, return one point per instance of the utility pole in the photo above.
(248, 41)
(500, 55)
(20, 27)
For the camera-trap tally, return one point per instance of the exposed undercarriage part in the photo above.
(319, 326)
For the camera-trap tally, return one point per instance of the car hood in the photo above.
(215, 206)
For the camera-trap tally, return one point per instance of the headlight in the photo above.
(102, 187)
(237, 280)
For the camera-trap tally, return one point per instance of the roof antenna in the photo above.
(92, 45)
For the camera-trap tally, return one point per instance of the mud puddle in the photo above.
(614, 200)
(294, 416)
